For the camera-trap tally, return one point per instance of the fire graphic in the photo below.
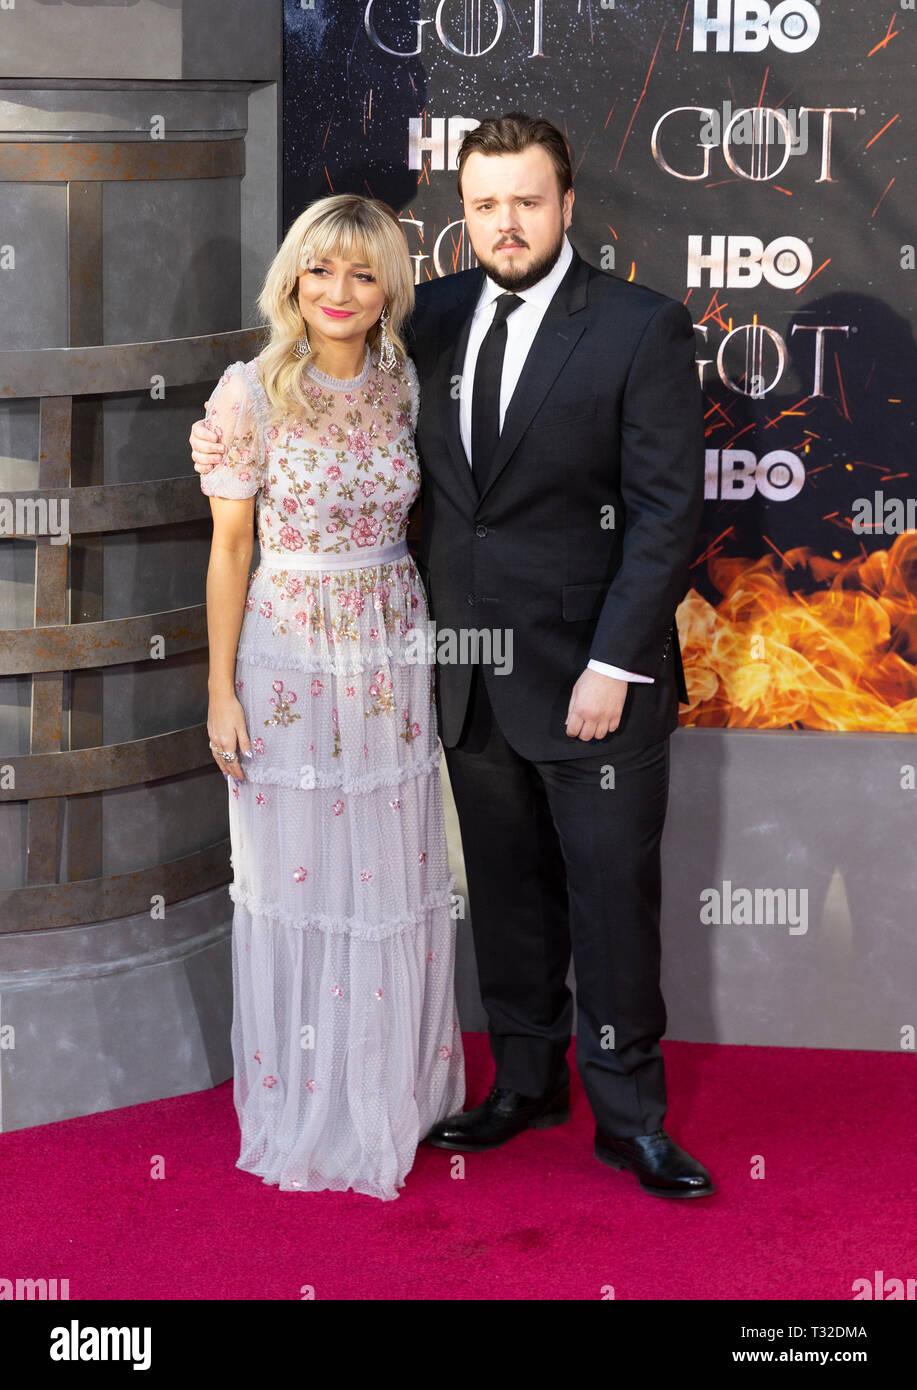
(805, 642)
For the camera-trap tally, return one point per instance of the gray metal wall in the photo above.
(138, 192)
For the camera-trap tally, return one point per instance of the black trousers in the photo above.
(556, 857)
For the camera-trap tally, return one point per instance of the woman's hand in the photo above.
(227, 732)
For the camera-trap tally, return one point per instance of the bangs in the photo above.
(338, 234)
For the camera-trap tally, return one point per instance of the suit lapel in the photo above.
(555, 339)
(454, 331)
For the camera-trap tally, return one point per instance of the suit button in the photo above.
(470, 600)
(480, 531)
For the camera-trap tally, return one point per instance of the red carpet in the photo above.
(537, 1219)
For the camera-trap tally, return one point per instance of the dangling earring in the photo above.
(387, 357)
(302, 346)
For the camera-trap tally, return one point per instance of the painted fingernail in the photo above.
(249, 753)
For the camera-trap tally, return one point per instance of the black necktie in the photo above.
(485, 396)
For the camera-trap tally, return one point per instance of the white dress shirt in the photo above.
(521, 327)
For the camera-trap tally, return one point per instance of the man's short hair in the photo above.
(512, 133)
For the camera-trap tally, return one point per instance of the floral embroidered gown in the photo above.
(344, 1033)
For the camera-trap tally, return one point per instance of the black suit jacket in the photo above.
(606, 414)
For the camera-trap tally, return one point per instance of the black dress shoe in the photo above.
(662, 1167)
(500, 1117)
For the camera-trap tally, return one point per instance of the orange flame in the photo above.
(839, 657)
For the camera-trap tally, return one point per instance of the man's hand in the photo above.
(595, 706)
(206, 446)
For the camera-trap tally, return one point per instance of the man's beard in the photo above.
(512, 279)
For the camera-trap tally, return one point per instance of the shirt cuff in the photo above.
(605, 670)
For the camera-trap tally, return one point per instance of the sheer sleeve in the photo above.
(234, 407)
(414, 383)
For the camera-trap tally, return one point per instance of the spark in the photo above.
(889, 35)
(882, 131)
(722, 536)
(639, 98)
(840, 380)
(813, 275)
(714, 310)
(782, 556)
(582, 156)
(763, 85)
(793, 411)
(730, 442)
(882, 199)
(683, 18)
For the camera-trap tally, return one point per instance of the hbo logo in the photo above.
(747, 26)
(735, 474)
(740, 262)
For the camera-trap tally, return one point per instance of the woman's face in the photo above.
(339, 299)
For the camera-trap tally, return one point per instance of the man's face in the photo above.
(514, 214)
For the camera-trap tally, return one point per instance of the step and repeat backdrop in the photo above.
(752, 160)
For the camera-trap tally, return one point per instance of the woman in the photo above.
(344, 1033)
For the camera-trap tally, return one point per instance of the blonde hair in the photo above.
(354, 228)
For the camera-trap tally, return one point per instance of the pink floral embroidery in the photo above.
(265, 609)
(316, 687)
(261, 799)
(337, 808)
(282, 701)
(365, 875)
(300, 874)
(365, 531)
(258, 745)
(337, 991)
(422, 857)
(310, 1085)
(291, 538)
(396, 804)
(378, 994)
(359, 444)
(269, 1082)
(444, 1053)
(411, 728)
(257, 1057)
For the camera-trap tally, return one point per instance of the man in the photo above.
(560, 437)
